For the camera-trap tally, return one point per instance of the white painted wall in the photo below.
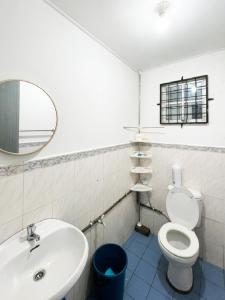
(212, 134)
(95, 93)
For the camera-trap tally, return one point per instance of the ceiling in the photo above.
(136, 33)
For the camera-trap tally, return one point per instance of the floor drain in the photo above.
(39, 275)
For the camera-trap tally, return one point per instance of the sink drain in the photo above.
(39, 275)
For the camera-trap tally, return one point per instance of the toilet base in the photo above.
(175, 289)
(181, 279)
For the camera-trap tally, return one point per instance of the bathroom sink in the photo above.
(48, 271)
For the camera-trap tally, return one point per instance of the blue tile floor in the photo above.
(146, 274)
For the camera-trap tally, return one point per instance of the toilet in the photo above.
(177, 240)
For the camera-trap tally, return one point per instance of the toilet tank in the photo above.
(198, 196)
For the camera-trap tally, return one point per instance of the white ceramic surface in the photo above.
(62, 253)
(177, 241)
(182, 207)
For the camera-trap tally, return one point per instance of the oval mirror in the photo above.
(28, 117)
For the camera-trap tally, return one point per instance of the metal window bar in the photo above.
(186, 89)
(184, 101)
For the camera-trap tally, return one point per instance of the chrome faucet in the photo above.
(31, 235)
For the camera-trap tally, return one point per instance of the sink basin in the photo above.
(47, 272)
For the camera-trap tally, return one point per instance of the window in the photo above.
(184, 101)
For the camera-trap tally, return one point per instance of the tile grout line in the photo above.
(141, 259)
(197, 292)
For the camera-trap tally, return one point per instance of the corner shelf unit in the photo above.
(145, 141)
(141, 155)
(139, 187)
(141, 170)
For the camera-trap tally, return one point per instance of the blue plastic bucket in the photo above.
(110, 264)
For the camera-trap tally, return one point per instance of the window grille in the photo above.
(184, 101)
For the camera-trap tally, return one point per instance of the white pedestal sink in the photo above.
(57, 263)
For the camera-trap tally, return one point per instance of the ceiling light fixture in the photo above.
(161, 9)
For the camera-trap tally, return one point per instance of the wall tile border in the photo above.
(59, 159)
(190, 147)
(55, 160)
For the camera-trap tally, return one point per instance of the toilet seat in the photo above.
(193, 246)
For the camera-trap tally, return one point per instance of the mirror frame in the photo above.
(56, 124)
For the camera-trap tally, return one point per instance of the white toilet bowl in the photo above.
(177, 240)
(180, 246)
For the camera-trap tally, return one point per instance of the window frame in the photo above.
(180, 121)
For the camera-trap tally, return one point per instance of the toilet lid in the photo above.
(182, 207)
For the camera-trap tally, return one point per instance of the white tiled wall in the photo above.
(205, 172)
(80, 190)
(76, 192)
(119, 225)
